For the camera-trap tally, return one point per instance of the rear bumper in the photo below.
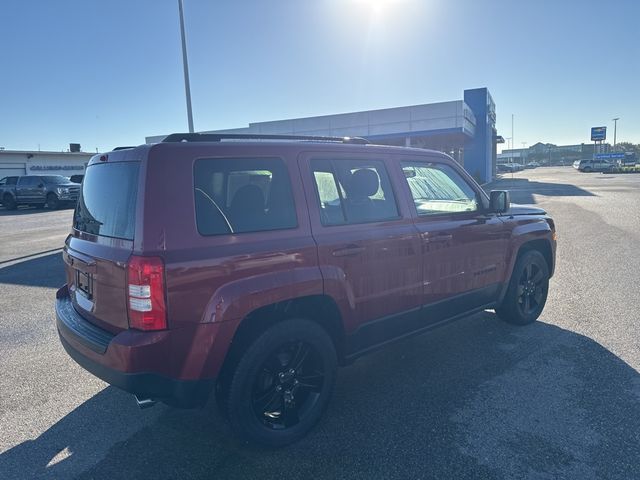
(114, 358)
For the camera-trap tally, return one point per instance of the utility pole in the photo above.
(513, 139)
(185, 64)
(615, 131)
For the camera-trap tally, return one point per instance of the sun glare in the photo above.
(378, 7)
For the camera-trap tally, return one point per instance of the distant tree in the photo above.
(628, 147)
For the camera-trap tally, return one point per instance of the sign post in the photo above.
(598, 134)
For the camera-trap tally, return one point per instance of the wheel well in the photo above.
(318, 308)
(543, 247)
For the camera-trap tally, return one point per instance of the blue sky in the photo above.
(107, 73)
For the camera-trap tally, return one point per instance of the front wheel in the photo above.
(282, 383)
(527, 291)
(52, 201)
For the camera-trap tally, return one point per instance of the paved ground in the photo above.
(38, 230)
(477, 399)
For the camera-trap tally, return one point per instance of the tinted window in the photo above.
(353, 191)
(28, 181)
(240, 195)
(438, 188)
(12, 180)
(55, 179)
(107, 202)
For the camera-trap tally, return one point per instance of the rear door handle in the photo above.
(444, 237)
(348, 251)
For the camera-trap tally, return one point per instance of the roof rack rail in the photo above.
(218, 137)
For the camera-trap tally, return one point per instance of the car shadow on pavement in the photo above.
(522, 190)
(477, 399)
(45, 271)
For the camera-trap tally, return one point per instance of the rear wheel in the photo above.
(527, 292)
(9, 203)
(52, 201)
(282, 383)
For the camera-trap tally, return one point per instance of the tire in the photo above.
(282, 383)
(9, 202)
(527, 292)
(587, 170)
(53, 202)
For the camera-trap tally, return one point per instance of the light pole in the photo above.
(185, 64)
(615, 131)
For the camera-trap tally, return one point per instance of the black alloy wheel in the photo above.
(527, 292)
(288, 385)
(531, 289)
(281, 383)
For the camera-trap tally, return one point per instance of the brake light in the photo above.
(145, 292)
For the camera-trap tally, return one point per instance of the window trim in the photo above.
(286, 168)
(480, 195)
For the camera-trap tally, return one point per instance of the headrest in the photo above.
(364, 183)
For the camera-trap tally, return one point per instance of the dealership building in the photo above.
(464, 129)
(21, 162)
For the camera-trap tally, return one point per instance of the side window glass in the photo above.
(438, 189)
(12, 180)
(241, 195)
(3, 181)
(353, 191)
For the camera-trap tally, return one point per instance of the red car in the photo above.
(252, 266)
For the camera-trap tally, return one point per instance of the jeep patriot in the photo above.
(250, 266)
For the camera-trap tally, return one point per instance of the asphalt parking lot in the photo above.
(476, 399)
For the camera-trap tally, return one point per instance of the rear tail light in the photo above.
(145, 293)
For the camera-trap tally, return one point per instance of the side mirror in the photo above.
(499, 201)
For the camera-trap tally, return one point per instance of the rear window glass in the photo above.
(240, 195)
(107, 202)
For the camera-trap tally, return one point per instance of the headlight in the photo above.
(62, 190)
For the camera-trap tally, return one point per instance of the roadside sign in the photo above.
(609, 156)
(598, 134)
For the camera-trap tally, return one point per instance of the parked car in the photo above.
(272, 262)
(532, 165)
(54, 191)
(509, 167)
(593, 165)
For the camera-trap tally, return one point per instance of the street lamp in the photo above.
(615, 131)
(185, 64)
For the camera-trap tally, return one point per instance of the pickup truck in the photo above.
(51, 190)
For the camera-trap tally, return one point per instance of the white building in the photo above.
(19, 162)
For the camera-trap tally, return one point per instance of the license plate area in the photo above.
(84, 284)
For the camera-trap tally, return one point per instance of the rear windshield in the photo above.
(107, 201)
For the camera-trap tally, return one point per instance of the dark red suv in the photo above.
(251, 266)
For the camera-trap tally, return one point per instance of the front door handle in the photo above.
(348, 251)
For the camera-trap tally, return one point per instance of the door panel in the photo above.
(463, 248)
(368, 247)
